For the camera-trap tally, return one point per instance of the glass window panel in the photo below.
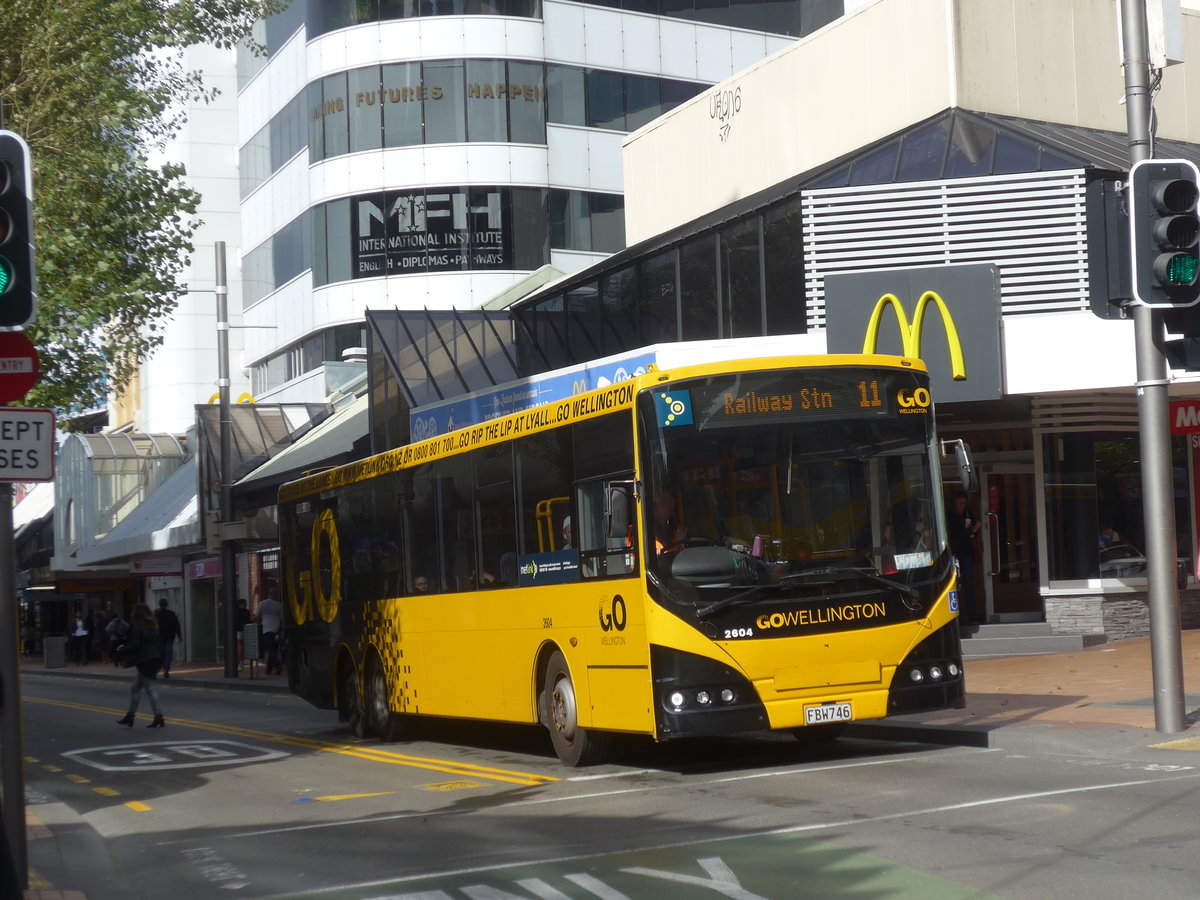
(643, 100)
(877, 168)
(644, 6)
(1013, 155)
(329, 15)
(618, 310)
(565, 95)
(970, 150)
(1051, 161)
(334, 115)
(741, 267)
(315, 113)
(366, 116)
(528, 229)
(839, 178)
(816, 14)
(487, 100)
(584, 322)
(527, 106)
(396, 9)
(784, 262)
(320, 269)
(337, 240)
(923, 153)
(607, 217)
(546, 465)
(444, 91)
(782, 17)
(679, 9)
(658, 299)
(749, 14)
(698, 287)
(254, 161)
(257, 274)
(715, 12)
(605, 100)
(403, 111)
(677, 92)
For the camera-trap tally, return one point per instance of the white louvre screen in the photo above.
(1032, 225)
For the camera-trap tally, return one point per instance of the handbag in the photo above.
(125, 655)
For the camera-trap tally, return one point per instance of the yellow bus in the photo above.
(713, 549)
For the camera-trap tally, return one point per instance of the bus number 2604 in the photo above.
(738, 633)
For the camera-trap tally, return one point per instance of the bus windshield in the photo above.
(804, 482)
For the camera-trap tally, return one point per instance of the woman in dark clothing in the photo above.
(146, 647)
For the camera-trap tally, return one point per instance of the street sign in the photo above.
(26, 444)
(18, 366)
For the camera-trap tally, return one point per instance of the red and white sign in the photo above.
(18, 366)
(1185, 416)
(26, 444)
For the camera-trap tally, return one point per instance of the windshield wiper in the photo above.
(705, 611)
(870, 575)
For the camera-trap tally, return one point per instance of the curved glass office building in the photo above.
(421, 154)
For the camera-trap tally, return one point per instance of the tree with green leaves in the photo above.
(95, 87)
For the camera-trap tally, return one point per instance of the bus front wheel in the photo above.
(388, 726)
(574, 745)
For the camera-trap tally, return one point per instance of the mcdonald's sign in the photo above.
(910, 336)
(947, 316)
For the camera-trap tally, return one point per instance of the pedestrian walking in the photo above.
(145, 648)
(77, 641)
(270, 617)
(168, 632)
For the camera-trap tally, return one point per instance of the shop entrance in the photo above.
(1009, 557)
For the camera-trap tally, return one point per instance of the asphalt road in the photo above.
(256, 794)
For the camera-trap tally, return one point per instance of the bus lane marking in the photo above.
(371, 754)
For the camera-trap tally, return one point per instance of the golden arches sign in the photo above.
(910, 336)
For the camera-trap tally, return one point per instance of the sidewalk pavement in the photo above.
(1093, 702)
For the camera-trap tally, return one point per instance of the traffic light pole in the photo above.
(228, 551)
(1154, 421)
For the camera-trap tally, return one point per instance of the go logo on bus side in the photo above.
(613, 615)
(311, 582)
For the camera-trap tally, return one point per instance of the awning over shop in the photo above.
(167, 520)
(331, 443)
(35, 508)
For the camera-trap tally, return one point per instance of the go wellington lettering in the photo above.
(327, 604)
(910, 336)
(850, 612)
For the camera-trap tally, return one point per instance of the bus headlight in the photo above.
(953, 670)
(935, 673)
(677, 699)
(727, 695)
(916, 676)
(703, 698)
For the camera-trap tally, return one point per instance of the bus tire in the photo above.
(573, 744)
(350, 708)
(387, 725)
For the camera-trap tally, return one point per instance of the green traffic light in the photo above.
(6, 274)
(1179, 269)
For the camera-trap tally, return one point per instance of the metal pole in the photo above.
(228, 553)
(1154, 420)
(10, 692)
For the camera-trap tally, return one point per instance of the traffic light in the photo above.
(1164, 232)
(18, 274)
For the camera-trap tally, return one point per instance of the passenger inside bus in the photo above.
(668, 533)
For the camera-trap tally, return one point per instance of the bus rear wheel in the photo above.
(574, 745)
(388, 726)
(350, 708)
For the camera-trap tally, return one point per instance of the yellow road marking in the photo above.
(1192, 743)
(137, 806)
(49, 768)
(333, 798)
(370, 753)
(78, 779)
(30, 759)
(106, 792)
(37, 882)
(450, 786)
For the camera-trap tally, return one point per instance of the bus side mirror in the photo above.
(966, 466)
(618, 517)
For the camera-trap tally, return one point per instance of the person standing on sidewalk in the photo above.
(145, 645)
(962, 527)
(77, 641)
(270, 617)
(168, 631)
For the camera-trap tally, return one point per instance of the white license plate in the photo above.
(827, 712)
